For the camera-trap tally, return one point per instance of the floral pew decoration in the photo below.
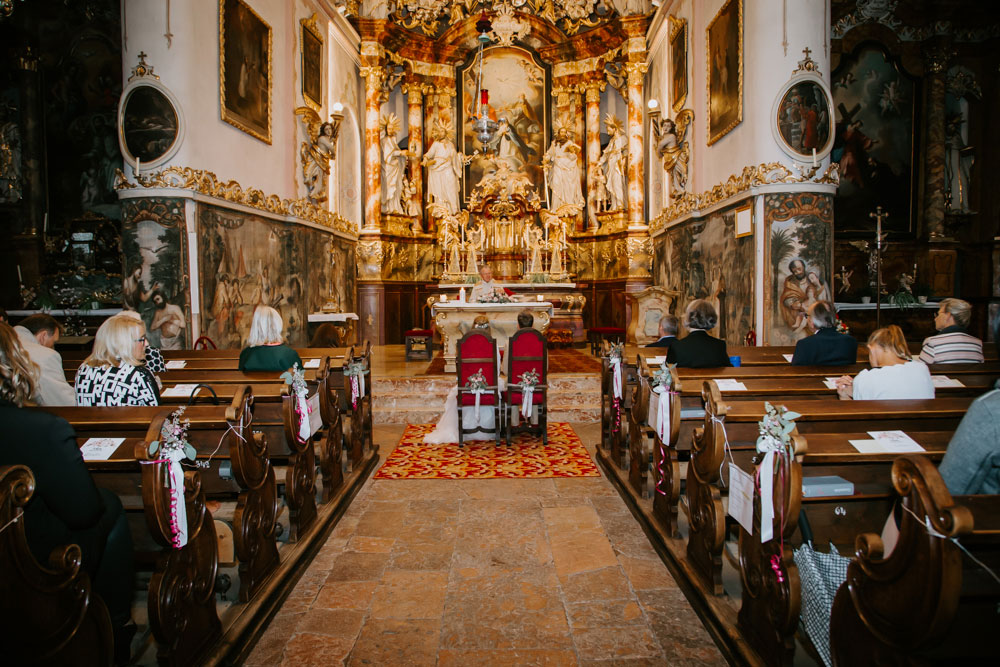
(172, 448)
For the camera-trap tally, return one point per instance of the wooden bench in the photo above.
(50, 613)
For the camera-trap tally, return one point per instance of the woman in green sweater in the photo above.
(266, 349)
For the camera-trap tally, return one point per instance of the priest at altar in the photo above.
(486, 287)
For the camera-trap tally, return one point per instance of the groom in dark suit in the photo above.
(826, 347)
(668, 332)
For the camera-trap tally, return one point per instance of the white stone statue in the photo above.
(393, 167)
(613, 162)
(555, 228)
(477, 240)
(531, 236)
(562, 167)
(444, 169)
(631, 7)
(674, 149)
(957, 165)
(317, 153)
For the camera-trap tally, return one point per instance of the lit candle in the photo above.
(45, 223)
(463, 234)
(444, 298)
(138, 166)
(19, 278)
(814, 157)
(540, 297)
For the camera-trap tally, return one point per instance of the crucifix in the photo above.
(879, 215)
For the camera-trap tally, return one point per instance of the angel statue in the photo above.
(672, 146)
(477, 239)
(449, 238)
(317, 153)
(844, 277)
(393, 166)
(532, 239)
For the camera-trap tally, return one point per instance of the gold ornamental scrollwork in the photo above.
(207, 183)
(770, 173)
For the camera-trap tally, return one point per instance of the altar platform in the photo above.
(404, 393)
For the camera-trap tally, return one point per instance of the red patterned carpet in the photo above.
(561, 360)
(526, 458)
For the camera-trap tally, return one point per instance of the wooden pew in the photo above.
(613, 412)
(360, 429)
(926, 602)
(217, 433)
(50, 613)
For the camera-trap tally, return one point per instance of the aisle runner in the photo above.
(527, 458)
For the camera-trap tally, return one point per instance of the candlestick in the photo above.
(814, 157)
(138, 166)
(45, 223)
(19, 278)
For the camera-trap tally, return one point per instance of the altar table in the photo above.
(454, 319)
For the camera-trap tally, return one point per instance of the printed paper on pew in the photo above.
(831, 383)
(100, 449)
(741, 497)
(945, 381)
(656, 361)
(179, 390)
(315, 419)
(729, 384)
(896, 442)
(176, 364)
(311, 363)
(787, 357)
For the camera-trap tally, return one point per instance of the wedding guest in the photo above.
(326, 336)
(525, 320)
(826, 347)
(893, 374)
(668, 332)
(153, 356)
(698, 349)
(115, 373)
(266, 349)
(66, 508)
(952, 344)
(971, 465)
(38, 335)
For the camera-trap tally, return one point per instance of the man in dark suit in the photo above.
(668, 332)
(826, 347)
(698, 349)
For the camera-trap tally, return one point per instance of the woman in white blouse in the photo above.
(893, 373)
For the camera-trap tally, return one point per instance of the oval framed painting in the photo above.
(802, 118)
(150, 123)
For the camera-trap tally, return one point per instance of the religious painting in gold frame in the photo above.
(312, 63)
(678, 63)
(518, 84)
(724, 56)
(245, 69)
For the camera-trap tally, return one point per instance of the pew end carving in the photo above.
(300, 476)
(51, 615)
(332, 444)
(707, 519)
(666, 466)
(639, 434)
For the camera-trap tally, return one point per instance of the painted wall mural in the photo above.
(703, 259)
(246, 260)
(155, 283)
(799, 256)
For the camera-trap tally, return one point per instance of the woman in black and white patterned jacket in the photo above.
(115, 373)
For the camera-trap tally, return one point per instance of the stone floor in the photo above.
(486, 572)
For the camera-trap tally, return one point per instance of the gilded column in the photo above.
(936, 58)
(374, 76)
(415, 120)
(636, 216)
(592, 92)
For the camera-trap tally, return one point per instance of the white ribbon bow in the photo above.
(477, 393)
(178, 508)
(770, 449)
(302, 407)
(662, 424)
(526, 393)
(616, 376)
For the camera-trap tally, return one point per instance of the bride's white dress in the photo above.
(447, 427)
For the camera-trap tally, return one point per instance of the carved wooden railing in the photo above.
(256, 516)
(666, 467)
(926, 599)
(181, 600)
(49, 613)
(771, 597)
(707, 520)
(332, 443)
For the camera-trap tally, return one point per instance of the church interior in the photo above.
(510, 332)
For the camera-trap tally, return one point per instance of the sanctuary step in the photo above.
(420, 400)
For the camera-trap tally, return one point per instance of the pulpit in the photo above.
(454, 319)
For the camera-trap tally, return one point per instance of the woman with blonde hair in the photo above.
(893, 374)
(67, 507)
(115, 372)
(266, 349)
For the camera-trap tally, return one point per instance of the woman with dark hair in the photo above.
(698, 349)
(326, 336)
(67, 507)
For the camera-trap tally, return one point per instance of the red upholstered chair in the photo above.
(477, 351)
(527, 350)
